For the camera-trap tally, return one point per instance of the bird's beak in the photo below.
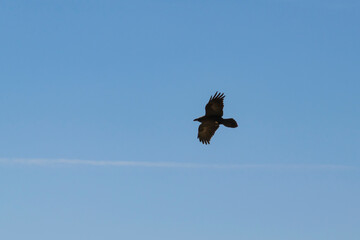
(195, 119)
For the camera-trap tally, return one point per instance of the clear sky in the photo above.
(97, 139)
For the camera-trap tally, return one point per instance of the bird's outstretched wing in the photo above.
(207, 130)
(215, 105)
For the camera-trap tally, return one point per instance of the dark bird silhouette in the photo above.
(213, 118)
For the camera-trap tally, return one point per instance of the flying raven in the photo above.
(213, 118)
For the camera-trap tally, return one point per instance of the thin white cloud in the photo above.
(45, 162)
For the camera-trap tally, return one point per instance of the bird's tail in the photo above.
(229, 122)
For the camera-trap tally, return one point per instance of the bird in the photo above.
(213, 118)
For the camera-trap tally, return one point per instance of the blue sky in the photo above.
(97, 139)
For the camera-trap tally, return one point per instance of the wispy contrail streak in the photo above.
(44, 162)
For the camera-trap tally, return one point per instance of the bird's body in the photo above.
(213, 118)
